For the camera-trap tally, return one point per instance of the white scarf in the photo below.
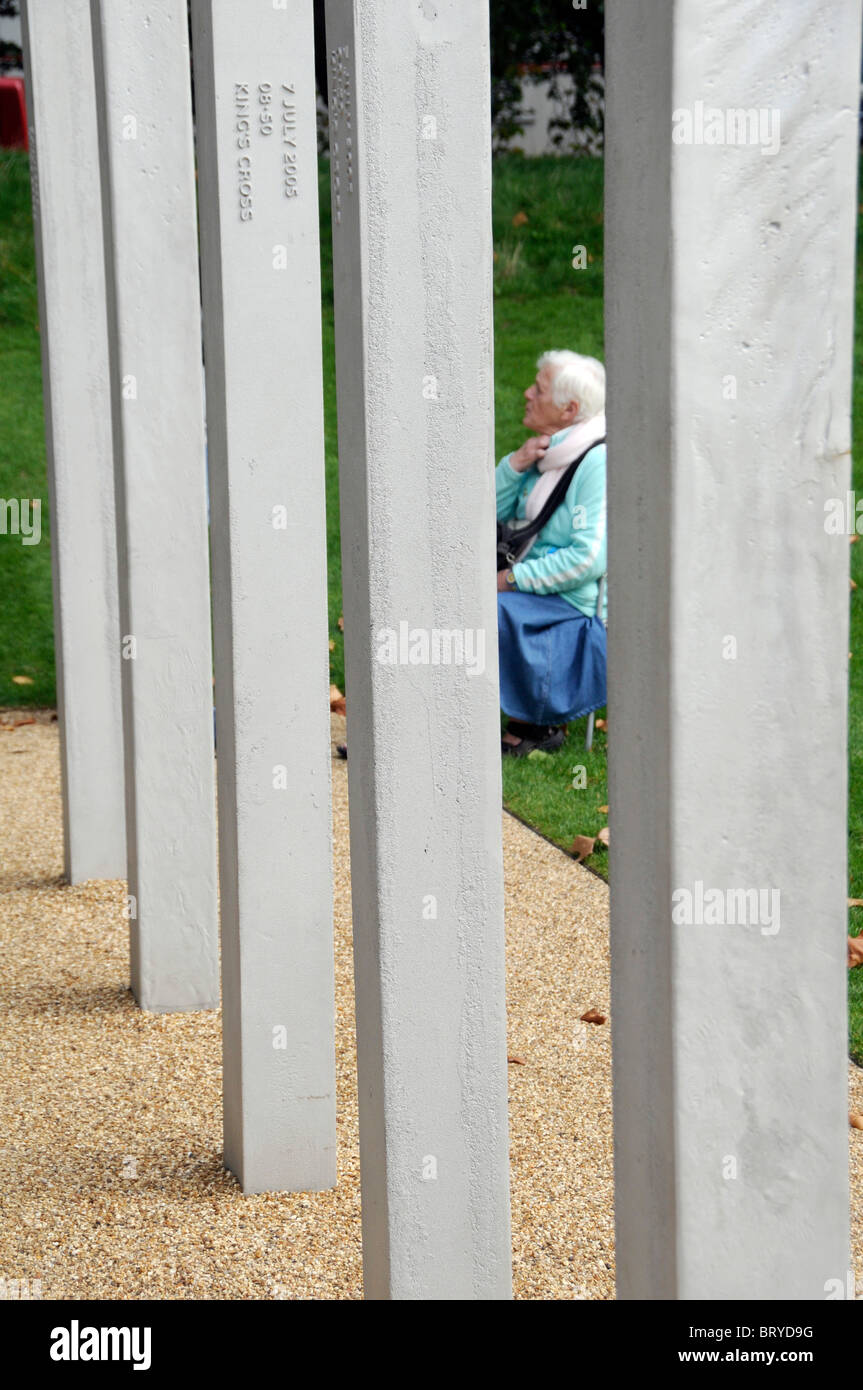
(578, 437)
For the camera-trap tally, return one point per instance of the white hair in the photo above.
(577, 378)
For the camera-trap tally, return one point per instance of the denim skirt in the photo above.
(552, 659)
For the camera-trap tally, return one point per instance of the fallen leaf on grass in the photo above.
(514, 1057)
(338, 704)
(23, 680)
(852, 583)
(332, 645)
(602, 837)
(603, 810)
(341, 623)
(582, 846)
(601, 724)
(520, 219)
(593, 1016)
(852, 540)
(855, 902)
(855, 1121)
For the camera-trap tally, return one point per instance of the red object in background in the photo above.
(13, 114)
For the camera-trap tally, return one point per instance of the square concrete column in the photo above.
(257, 157)
(731, 162)
(154, 322)
(67, 216)
(410, 155)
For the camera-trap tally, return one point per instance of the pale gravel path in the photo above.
(111, 1184)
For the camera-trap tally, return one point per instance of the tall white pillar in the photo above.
(257, 156)
(729, 297)
(67, 216)
(411, 180)
(151, 254)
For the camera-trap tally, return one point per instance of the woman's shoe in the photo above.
(545, 737)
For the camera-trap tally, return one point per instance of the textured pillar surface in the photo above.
(154, 323)
(67, 216)
(730, 217)
(257, 155)
(411, 182)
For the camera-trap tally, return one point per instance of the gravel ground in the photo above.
(111, 1182)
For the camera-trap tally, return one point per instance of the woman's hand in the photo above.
(530, 452)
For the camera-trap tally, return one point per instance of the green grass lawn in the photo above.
(541, 302)
(26, 636)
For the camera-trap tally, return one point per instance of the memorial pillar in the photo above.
(731, 169)
(67, 217)
(410, 156)
(154, 327)
(257, 156)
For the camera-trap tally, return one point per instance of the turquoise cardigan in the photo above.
(570, 553)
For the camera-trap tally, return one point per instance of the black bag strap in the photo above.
(553, 502)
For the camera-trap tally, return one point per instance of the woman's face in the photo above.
(542, 415)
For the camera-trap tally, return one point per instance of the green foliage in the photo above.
(533, 33)
(10, 53)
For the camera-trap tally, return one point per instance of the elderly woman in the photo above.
(551, 641)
